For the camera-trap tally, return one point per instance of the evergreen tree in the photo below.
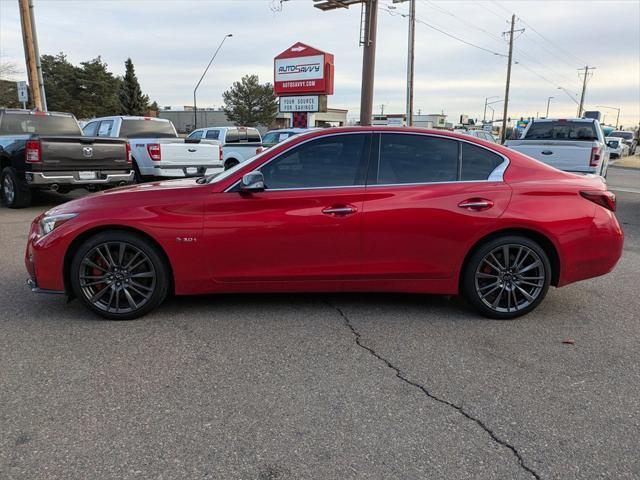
(61, 80)
(99, 90)
(132, 100)
(249, 103)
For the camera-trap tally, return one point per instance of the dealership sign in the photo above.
(303, 103)
(302, 69)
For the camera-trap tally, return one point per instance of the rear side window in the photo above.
(232, 136)
(333, 161)
(213, 134)
(105, 128)
(90, 129)
(24, 123)
(417, 159)
(253, 135)
(146, 129)
(573, 131)
(477, 162)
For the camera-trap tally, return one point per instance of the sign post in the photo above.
(23, 93)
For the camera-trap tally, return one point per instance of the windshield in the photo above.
(21, 123)
(580, 131)
(625, 135)
(141, 128)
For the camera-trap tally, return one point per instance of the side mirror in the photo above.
(252, 182)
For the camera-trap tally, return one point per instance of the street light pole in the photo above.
(486, 102)
(612, 108)
(195, 108)
(548, 102)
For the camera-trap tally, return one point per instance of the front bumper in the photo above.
(72, 178)
(35, 289)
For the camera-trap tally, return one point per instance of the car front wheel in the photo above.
(506, 277)
(119, 275)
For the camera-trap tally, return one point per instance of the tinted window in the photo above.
(417, 159)
(477, 162)
(253, 135)
(105, 128)
(90, 129)
(581, 131)
(271, 138)
(232, 136)
(213, 134)
(147, 129)
(22, 123)
(333, 161)
(625, 135)
(196, 135)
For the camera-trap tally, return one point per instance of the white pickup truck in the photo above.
(238, 143)
(574, 144)
(156, 149)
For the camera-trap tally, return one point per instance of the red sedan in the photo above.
(349, 209)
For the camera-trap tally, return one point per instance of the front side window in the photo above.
(333, 161)
(477, 162)
(417, 159)
(90, 129)
(195, 135)
(213, 134)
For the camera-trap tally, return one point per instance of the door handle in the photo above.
(339, 210)
(546, 152)
(476, 204)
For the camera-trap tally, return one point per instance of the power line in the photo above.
(553, 43)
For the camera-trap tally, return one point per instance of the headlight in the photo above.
(49, 223)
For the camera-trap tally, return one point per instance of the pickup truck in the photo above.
(156, 149)
(47, 151)
(238, 143)
(573, 145)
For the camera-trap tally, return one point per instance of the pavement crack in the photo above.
(460, 409)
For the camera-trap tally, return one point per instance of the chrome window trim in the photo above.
(497, 175)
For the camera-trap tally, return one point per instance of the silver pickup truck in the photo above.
(156, 149)
(574, 144)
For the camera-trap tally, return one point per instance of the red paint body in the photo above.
(411, 238)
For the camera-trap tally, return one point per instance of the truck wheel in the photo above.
(232, 162)
(137, 175)
(15, 192)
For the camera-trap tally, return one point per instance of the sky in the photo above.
(171, 42)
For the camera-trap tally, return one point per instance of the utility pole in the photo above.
(410, 58)
(486, 102)
(584, 88)
(368, 61)
(32, 54)
(548, 102)
(503, 135)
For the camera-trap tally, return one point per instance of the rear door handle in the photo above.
(339, 210)
(476, 204)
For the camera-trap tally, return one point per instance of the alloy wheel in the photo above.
(117, 277)
(510, 278)
(9, 190)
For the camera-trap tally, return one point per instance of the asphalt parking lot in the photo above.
(323, 386)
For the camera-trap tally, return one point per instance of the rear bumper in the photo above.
(72, 178)
(177, 171)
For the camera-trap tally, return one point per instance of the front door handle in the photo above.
(339, 210)
(476, 204)
(546, 152)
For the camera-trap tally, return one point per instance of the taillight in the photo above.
(595, 156)
(605, 199)
(154, 151)
(128, 152)
(259, 150)
(32, 151)
(220, 150)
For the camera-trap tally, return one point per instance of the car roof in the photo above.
(585, 120)
(130, 117)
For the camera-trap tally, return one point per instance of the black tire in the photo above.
(64, 189)
(137, 175)
(232, 162)
(477, 281)
(15, 192)
(144, 286)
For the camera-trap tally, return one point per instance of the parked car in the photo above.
(238, 143)
(47, 151)
(481, 134)
(617, 147)
(273, 137)
(441, 213)
(156, 149)
(573, 145)
(628, 138)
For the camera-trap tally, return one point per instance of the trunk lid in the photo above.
(563, 155)
(79, 152)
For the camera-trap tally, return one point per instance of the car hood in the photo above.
(128, 196)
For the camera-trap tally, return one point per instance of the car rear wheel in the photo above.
(119, 275)
(15, 192)
(506, 277)
(232, 162)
